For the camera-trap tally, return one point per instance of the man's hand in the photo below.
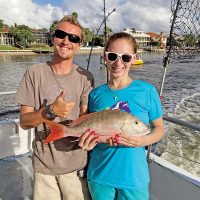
(60, 107)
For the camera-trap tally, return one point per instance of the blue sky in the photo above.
(143, 15)
(52, 2)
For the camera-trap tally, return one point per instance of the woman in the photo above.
(119, 172)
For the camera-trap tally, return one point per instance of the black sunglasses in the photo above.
(71, 37)
(112, 57)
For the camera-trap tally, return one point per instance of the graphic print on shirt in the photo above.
(121, 105)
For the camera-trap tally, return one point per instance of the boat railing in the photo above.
(176, 121)
(4, 93)
(193, 126)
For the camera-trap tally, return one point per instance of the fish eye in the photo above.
(136, 122)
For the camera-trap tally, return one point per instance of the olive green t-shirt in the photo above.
(40, 85)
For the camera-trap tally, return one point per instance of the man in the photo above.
(57, 90)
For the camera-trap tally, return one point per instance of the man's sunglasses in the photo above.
(112, 57)
(71, 37)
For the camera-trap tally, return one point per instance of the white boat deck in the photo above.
(16, 180)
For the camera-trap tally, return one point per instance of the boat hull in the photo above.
(138, 62)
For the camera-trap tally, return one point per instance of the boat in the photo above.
(168, 182)
(138, 62)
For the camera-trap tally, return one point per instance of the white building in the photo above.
(142, 39)
(6, 39)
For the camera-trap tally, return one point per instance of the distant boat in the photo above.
(138, 62)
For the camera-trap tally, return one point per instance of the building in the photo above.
(158, 40)
(143, 40)
(42, 37)
(6, 38)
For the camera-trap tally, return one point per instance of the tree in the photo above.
(133, 30)
(107, 32)
(88, 35)
(43, 30)
(99, 40)
(1, 25)
(53, 27)
(190, 40)
(75, 15)
(23, 35)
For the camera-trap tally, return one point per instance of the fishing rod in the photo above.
(93, 39)
(166, 58)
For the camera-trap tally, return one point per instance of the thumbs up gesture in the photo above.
(60, 107)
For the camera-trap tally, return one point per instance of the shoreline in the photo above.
(3, 53)
(83, 50)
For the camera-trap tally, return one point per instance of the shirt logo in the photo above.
(121, 105)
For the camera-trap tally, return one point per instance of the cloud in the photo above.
(28, 13)
(143, 15)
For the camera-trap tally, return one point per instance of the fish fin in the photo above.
(57, 132)
(80, 119)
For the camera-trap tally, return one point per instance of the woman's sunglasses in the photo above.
(112, 57)
(71, 37)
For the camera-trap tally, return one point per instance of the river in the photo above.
(181, 97)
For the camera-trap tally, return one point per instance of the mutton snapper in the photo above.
(106, 124)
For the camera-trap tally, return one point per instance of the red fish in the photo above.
(106, 124)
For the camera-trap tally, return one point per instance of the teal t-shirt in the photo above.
(117, 166)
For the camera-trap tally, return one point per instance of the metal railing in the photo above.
(173, 120)
(182, 123)
(3, 93)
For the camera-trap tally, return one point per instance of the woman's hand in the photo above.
(131, 141)
(113, 141)
(88, 140)
(145, 140)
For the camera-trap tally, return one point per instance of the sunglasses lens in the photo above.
(112, 56)
(72, 37)
(126, 58)
(60, 34)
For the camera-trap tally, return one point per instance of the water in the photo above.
(181, 98)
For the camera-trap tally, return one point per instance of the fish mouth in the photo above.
(148, 129)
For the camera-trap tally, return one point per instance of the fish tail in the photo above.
(57, 132)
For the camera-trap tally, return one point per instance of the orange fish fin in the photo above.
(57, 132)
